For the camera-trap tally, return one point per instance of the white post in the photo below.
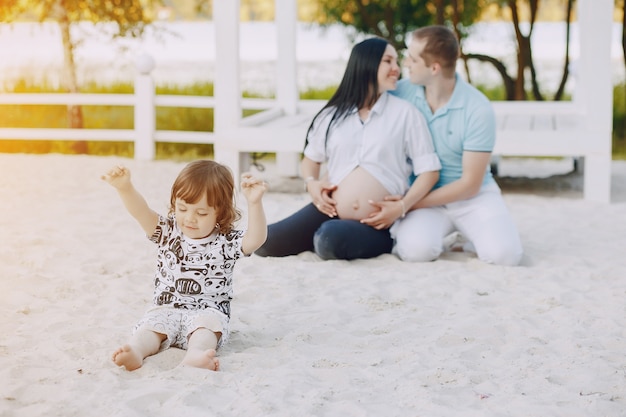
(226, 88)
(595, 18)
(286, 76)
(286, 80)
(145, 120)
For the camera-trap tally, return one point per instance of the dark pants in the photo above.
(310, 230)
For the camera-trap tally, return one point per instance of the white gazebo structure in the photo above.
(280, 129)
(580, 128)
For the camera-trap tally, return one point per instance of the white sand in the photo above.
(379, 337)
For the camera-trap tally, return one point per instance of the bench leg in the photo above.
(597, 182)
(495, 164)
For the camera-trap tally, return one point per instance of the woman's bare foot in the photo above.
(127, 357)
(202, 359)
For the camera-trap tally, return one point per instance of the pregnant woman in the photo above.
(370, 142)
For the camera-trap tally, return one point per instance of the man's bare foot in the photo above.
(202, 359)
(128, 358)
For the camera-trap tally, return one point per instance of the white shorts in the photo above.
(178, 324)
(483, 220)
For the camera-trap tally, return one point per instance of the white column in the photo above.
(287, 96)
(145, 113)
(226, 87)
(286, 68)
(595, 18)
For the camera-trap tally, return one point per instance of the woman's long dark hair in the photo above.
(359, 85)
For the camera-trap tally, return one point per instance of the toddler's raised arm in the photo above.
(253, 189)
(119, 177)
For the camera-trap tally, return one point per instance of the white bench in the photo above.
(267, 131)
(530, 128)
(524, 128)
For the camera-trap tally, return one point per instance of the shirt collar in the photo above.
(455, 101)
(379, 106)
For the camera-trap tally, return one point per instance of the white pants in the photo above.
(483, 220)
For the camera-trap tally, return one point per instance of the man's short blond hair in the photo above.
(441, 46)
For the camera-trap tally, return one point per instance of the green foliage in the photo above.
(130, 16)
(393, 19)
(619, 121)
(498, 93)
(319, 93)
(493, 93)
(195, 89)
(390, 19)
(114, 88)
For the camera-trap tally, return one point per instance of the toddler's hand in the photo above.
(118, 177)
(253, 188)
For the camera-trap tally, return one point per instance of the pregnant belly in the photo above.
(354, 192)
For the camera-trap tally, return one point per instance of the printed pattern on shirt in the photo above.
(194, 273)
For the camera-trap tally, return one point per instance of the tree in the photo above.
(621, 6)
(568, 19)
(392, 19)
(129, 18)
(389, 19)
(515, 87)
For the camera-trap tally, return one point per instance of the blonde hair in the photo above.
(213, 180)
(441, 46)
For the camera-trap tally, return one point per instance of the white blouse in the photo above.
(391, 144)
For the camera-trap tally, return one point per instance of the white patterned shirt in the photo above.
(194, 273)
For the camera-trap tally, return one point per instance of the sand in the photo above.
(378, 337)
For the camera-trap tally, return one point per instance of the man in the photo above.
(462, 123)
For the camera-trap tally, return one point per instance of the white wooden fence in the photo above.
(144, 101)
(523, 129)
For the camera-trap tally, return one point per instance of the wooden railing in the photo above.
(144, 133)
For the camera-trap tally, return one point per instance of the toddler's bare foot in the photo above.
(202, 359)
(128, 358)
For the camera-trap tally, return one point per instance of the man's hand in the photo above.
(389, 210)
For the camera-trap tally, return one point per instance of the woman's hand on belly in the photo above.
(354, 194)
(321, 195)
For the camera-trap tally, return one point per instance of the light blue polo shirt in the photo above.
(466, 123)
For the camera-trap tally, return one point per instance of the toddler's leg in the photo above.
(144, 343)
(201, 350)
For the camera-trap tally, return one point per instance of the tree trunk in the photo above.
(624, 31)
(568, 18)
(534, 7)
(74, 113)
(523, 44)
(440, 8)
(455, 20)
(507, 80)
